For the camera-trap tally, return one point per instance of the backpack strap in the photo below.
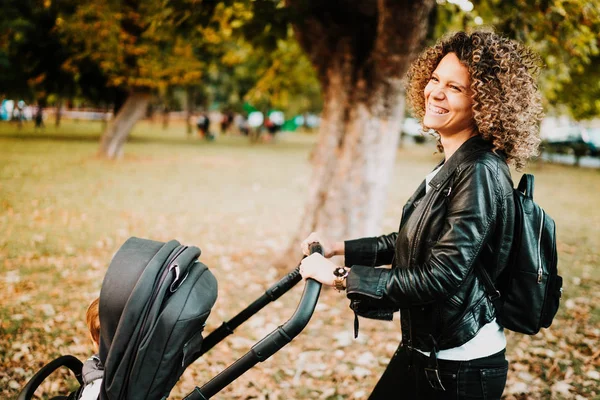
(492, 292)
(526, 185)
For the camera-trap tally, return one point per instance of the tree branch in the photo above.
(401, 30)
(324, 28)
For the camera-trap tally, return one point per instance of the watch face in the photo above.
(339, 272)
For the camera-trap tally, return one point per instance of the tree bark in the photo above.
(189, 110)
(120, 97)
(352, 165)
(361, 56)
(165, 117)
(117, 130)
(59, 104)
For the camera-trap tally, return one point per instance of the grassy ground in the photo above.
(63, 213)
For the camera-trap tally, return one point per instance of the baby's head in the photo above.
(92, 319)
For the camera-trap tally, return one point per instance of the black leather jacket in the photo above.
(464, 222)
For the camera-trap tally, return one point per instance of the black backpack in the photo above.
(528, 291)
(154, 302)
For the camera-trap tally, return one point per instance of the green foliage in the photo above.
(32, 56)
(230, 51)
(236, 51)
(250, 55)
(582, 93)
(289, 81)
(135, 44)
(281, 78)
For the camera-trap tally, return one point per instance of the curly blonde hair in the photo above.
(507, 105)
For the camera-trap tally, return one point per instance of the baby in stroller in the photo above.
(92, 370)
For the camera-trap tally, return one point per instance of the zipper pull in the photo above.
(174, 267)
(355, 325)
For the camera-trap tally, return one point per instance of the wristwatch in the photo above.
(339, 282)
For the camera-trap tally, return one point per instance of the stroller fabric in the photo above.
(154, 302)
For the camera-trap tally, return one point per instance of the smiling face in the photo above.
(448, 103)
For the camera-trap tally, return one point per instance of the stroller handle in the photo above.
(270, 344)
(288, 331)
(308, 302)
(69, 362)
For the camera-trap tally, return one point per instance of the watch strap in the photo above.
(340, 279)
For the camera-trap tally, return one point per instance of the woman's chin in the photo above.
(431, 124)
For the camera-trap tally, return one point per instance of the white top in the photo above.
(489, 340)
(92, 390)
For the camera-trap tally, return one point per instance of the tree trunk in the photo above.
(106, 118)
(165, 118)
(120, 97)
(117, 130)
(352, 161)
(361, 57)
(189, 106)
(59, 104)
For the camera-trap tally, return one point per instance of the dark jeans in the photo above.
(405, 378)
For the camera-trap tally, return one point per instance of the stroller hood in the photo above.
(154, 301)
(125, 269)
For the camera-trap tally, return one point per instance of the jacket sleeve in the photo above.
(470, 219)
(370, 251)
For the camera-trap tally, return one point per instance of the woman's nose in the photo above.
(438, 93)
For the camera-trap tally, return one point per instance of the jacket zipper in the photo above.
(414, 246)
(409, 329)
(419, 223)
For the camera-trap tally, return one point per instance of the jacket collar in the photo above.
(471, 146)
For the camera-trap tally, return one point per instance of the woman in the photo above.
(478, 93)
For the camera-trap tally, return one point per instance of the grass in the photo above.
(63, 213)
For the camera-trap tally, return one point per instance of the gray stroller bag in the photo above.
(154, 302)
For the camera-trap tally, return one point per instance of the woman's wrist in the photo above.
(339, 249)
(339, 278)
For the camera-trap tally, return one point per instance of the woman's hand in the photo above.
(329, 249)
(318, 268)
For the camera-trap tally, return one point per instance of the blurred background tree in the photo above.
(215, 51)
(32, 54)
(139, 47)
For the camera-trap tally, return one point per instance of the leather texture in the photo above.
(465, 220)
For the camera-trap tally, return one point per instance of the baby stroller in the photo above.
(154, 302)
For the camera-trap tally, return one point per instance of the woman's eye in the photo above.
(433, 79)
(456, 88)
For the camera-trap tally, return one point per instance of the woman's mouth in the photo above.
(436, 109)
